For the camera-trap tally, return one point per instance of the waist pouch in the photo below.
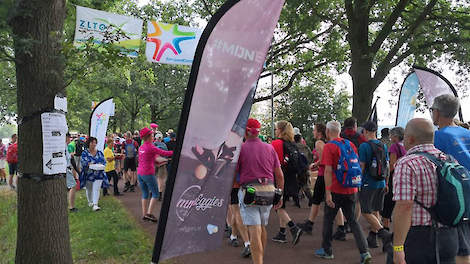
(264, 194)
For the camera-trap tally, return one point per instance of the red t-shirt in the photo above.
(278, 146)
(330, 157)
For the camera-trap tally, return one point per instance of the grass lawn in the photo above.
(108, 236)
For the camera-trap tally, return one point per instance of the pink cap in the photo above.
(153, 125)
(145, 132)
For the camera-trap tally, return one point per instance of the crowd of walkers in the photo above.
(392, 182)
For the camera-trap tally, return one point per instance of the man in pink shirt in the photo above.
(257, 164)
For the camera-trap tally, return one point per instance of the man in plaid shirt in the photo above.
(416, 178)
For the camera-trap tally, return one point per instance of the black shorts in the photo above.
(464, 239)
(13, 168)
(319, 191)
(129, 164)
(420, 245)
(234, 196)
(372, 200)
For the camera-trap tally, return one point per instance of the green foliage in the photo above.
(7, 130)
(309, 101)
(108, 236)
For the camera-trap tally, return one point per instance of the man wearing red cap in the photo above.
(257, 164)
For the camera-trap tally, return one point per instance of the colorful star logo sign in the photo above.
(167, 36)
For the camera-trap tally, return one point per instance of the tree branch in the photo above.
(291, 81)
(207, 8)
(387, 28)
(385, 66)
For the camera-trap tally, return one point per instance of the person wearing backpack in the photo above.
(455, 141)
(130, 148)
(415, 186)
(12, 159)
(342, 177)
(374, 159)
(283, 146)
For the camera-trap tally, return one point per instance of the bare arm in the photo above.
(393, 161)
(319, 148)
(401, 226)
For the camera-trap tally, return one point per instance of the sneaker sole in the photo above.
(367, 260)
(297, 237)
(279, 241)
(325, 257)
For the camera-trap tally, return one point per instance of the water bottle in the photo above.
(249, 196)
(374, 163)
(277, 196)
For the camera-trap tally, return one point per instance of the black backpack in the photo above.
(354, 139)
(295, 160)
(79, 148)
(378, 165)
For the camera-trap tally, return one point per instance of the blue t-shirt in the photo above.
(454, 141)
(365, 155)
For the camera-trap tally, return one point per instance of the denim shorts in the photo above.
(148, 183)
(253, 214)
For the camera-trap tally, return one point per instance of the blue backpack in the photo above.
(348, 171)
(453, 192)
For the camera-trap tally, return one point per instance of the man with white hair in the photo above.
(338, 196)
(455, 141)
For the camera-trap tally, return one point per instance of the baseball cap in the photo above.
(370, 126)
(297, 131)
(153, 125)
(253, 126)
(145, 132)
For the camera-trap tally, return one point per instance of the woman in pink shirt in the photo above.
(148, 154)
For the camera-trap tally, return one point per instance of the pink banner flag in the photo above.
(228, 61)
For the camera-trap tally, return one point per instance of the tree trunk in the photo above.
(43, 232)
(363, 89)
(153, 113)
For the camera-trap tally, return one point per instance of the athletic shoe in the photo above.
(280, 237)
(246, 252)
(296, 234)
(234, 242)
(90, 204)
(126, 187)
(151, 217)
(306, 226)
(347, 228)
(73, 210)
(366, 258)
(96, 208)
(372, 240)
(228, 231)
(340, 234)
(321, 253)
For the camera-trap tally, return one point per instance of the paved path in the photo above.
(345, 252)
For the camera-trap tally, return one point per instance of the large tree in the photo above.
(43, 233)
(371, 37)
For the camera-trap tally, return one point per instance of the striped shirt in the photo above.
(416, 177)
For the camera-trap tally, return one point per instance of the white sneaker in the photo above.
(96, 208)
(90, 205)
